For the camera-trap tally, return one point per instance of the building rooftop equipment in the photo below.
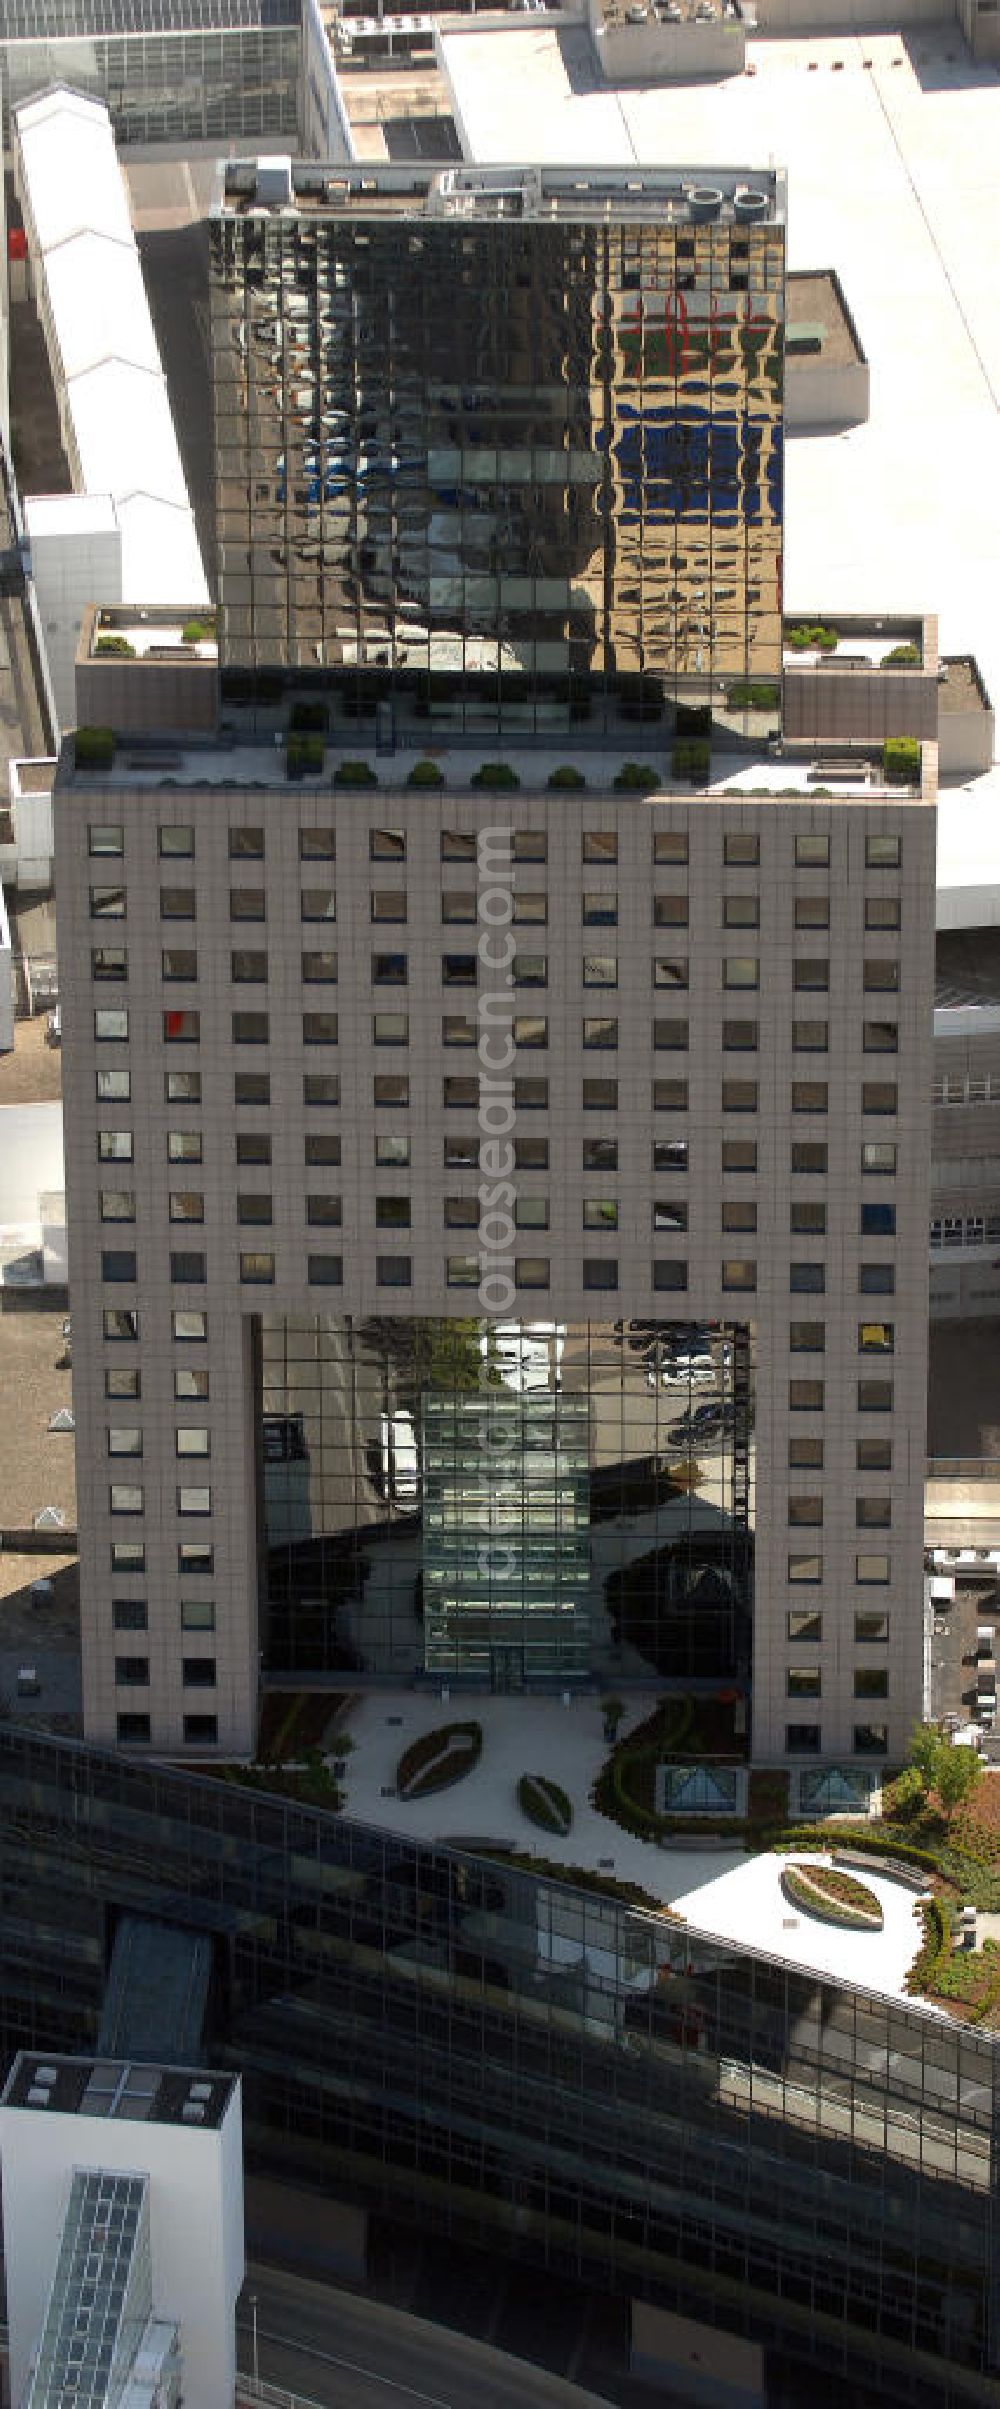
(118, 2088)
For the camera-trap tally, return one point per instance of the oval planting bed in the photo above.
(439, 1758)
(544, 1803)
(832, 1896)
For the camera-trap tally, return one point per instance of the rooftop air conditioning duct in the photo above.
(274, 183)
(704, 200)
(749, 201)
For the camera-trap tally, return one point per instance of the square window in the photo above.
(128, 1556)
(129, 1614)
(873, 1513)
(803, 1681)
(459, 970)
(391, 1153)
(809, 1095)
(532, 970)
(882, 911)
(113, 1087)
(105, 837)
(130, 1730)
(125, 1498)
(739, 1214)
(390, 1088)
(805, 1568)
(670, 845)
(669, 1272)
(201, 1730)
(741, 911)
(805, 1396)
(882, 852)
(873, 1568)
(325, 1271)
(870, 1628)
(257, 1270)
(808, 1278)
(600, 1213)
(319, 969)
(390, 1029)
(739, 1154)
(880, 1037)
(194, 1501)
(111, 1026)
(812, 911)
(740, 850)
(669, 1095)
(812, 852)
(246, 844)
(802, 1739)
(807, 1338)
(252, 1087)
(876, 1279)
(121, 1381)
(124, 1440)
(195, 1556)
(808, 1219)
(879, 1096)
(739, 1271)
(388, 904)
(317, 844)
(871, 1739)
(393, 1271)
(804, 1511)
(186, 1265)
(321, 1087)
(670, 1035)
(599, 970)
(670, 970)
(530, 845)
(178, 903)
(392, 1212)
(462, 1271)
(109, 963)
(599, 1095)
(805, 1455)
(670, 911)
(247, 969)
(118, 1263)
(114, 1145)
(108, 903)
(458, 845)
(198, 1672)
(739, 1095)
(600, 845)
(873, 1455)
(876, 1338)
(804, 1623)
(461, 1212)
(188, 1384)
(186, 1204)
(741, 970)
(741, 1036)
(532, 1271)
(532, 1029)
(874, 1396)
(324, 1212)
(176, 843)
(809, 1154)
(183, 1087)
(192, 1439)
(189, 1323)
(810, 1036)
(254, 1209)
(531, 908)
(197, 1614)
(598, 1033)
(387, 845)
(253, 1146)
(320, 1028)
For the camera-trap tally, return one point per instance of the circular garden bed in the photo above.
(544, 1803)
(833, 1897)
(439, 1758)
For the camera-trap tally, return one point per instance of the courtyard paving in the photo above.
(720, 1890)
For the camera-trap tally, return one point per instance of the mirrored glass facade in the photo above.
(499, 451)
(544, 2070)
(533, 1503)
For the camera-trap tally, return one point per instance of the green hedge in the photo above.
(566, 779)
(660, 1735)
(426, 774)
(636, 778)
(94, 748)
(811, 639)
(118, 646)
(544, 1803)
(304, 756)
(423, 1767)
(497, 776)
(901, 760)
(691, 759)
(195, 631)
(751, 695)
(908, 653)
(354, 773)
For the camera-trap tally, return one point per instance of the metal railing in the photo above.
(250, 2389)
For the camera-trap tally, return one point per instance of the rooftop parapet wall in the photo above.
(855, 694)
(154, 683)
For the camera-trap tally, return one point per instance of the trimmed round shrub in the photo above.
(834, 1897)
(498, 776)
(902, 655)
(544, 1803)
(426, 774)
(194, 631)
(637, 778)
(567, 779)
(825, 639)
(354, 773)
(438, 1759)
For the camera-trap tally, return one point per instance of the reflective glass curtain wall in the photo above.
(505, 477)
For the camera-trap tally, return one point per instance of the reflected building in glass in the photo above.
(506, 1556)
(499, 451)
(191, 71)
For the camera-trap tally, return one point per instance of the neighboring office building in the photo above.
(123, 2232)
(212, 72)
(721, 1012)
(532, 2069)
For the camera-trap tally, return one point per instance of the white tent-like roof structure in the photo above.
(112, 394)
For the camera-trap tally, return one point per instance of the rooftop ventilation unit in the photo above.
(704, 200)
(274, 183)
(750, 202)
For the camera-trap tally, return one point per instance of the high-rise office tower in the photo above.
(485, 1011)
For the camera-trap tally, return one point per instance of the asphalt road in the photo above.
(345, 2352)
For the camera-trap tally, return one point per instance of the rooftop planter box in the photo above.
(901, 760)
(426, 774)
(566, 779)
(94, 748)
(637, 778)
(438, 1759)
(833, 1897)
(354, 773)
(497, 777)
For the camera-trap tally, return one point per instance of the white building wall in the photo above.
(7, 996)
(196, 2220)
(76, 559)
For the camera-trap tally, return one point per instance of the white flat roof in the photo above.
(105, 356)
(69, 514)
(896, 184)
